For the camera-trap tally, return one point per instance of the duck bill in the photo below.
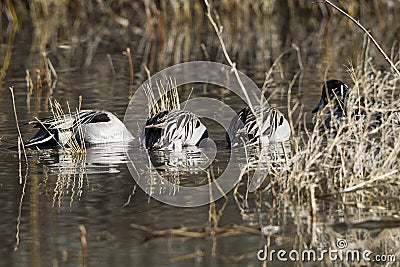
(320, 105)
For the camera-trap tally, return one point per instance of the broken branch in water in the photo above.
(205, 233)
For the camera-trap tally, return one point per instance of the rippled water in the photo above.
(43, 210)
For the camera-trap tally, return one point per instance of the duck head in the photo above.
(333, 90)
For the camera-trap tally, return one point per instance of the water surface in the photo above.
(43, 210)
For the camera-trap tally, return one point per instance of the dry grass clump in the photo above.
(358, 152)
(168, 97)
(362, 152)
(75, 143)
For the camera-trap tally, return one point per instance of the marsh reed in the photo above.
(168, 93)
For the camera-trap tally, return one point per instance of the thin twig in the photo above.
(366, 32)
(130, 196)
(17, 239)
(53, 70)
(111, 64)
(289, 100)
(84, 244)
(20, 144)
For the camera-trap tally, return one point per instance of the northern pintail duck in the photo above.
(337, 93)
(274, 127)
(173, 130)
(89, 126)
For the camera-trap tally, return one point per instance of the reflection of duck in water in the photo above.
(89, 126)
(173, 130)
(189, 159)
(74, 175)
(274, 127)
(105, 158)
